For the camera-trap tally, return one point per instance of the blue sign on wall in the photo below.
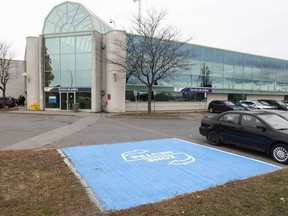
(199, 90)
(52, 99)
(126, 175)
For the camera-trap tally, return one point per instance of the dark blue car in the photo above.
(222, 106)
(255, 130)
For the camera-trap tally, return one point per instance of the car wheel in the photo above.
(211, 110)
(6, 106)
(279, 153)
(214, 138)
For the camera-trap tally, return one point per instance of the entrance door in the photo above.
(67, 100)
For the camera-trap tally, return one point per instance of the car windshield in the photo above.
(285, 114)
(244, 104)
(281, 103)
(264, 103)
(258, 103)
(229, 103)
(275, 121)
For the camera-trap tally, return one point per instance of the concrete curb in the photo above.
(91, 195)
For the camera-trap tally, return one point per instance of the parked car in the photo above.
(9, 102)
(256, 130)
(222, 106)
(282, 113)
(269, 105)
(277, 104)
(246, 106)
(285, 102)
(256, 104)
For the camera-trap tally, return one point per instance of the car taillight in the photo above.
(203, 123)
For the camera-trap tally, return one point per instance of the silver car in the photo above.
(256, 104)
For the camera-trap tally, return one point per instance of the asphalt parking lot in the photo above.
(28, 130)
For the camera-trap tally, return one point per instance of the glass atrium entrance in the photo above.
(67, 99)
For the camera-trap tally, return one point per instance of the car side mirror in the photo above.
(261, 127)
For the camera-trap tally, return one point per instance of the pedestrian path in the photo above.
(49, 137)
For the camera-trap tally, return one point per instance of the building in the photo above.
(16, 84)
(67, 65)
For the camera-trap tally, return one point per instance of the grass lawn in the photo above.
(38, 182)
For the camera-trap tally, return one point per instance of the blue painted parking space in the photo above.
(125, 175)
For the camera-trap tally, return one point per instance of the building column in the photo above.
(32, 70)
(115, 75)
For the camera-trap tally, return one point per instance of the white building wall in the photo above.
(211, 97)
(41, 72)
(32, 70)
(174, 106)
(16, 85)
(96, 78)
(115, 75)
(272, 97)
(165, 106)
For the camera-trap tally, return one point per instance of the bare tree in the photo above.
(6, 57)
(205, 76)
(153, 52)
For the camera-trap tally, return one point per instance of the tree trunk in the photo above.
(149, 99)
(4, 97)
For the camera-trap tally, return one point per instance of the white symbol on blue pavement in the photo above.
(173, 158)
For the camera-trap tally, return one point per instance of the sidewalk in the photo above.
(160, 114)
(43, 140)
(24, 110)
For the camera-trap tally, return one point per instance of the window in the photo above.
(68, 61)
(231, 118)
(237, 97)
(84, 100)
(167, 96)
(73, 17)
(52, 100)
(250, 121)
(206, 54)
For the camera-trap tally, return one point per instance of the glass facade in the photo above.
(73, 17)
(227, 72)
(68, 61)
(67, 71)
(68, 34)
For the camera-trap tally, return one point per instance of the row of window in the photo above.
(221, 69)
(166, 96)
(68, 61)
(208, 54)
(68, 64)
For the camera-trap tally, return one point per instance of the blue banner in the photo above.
(199, 90)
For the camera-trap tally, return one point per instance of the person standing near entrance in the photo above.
(21, 100)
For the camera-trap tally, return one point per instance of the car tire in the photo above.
(213, 138)
(6, 106)
(279, 153)
(211, 110)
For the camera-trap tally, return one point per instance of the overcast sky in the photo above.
(251, 26)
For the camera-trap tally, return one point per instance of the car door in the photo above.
(216, 106)
(228, 127)
(251, 134)
(220, 106)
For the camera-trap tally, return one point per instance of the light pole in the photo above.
(139, 12)
(71, 76)
(112, 21)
